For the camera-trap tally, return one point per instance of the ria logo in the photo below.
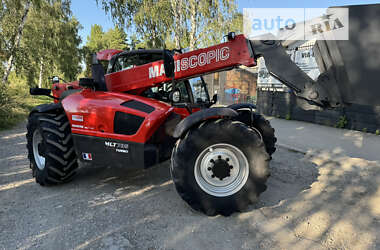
(326, 24)
(296, 24)
(202, 59)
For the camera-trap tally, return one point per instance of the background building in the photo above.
(233, 86)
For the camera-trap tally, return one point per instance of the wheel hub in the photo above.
(38, 150)
(220, 169)
(41, 149)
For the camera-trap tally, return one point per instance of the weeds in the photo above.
(16, 105)
(342, 123)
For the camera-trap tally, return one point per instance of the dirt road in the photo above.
(311, 203)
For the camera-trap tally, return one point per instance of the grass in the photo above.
(342, 123)
(17, 109)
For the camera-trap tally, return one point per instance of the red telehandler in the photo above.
(151, 105)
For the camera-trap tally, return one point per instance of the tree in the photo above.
(99, 40)
(133, 42)
(12, 31)
(178, 10)
(50, 43)
(38, 38)
(115, 39)
(190, 23)
(95, 41)
(153, 27)
(213, 32)
(148, 19)
(112, 39)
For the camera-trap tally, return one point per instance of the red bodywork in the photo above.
(59, 88)
(95, 110)
(106, 55)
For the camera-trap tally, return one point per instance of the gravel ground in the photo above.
(311, 203)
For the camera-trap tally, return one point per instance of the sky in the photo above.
(88, 13)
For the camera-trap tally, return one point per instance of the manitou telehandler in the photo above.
(150, 105)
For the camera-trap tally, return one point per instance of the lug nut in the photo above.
(209, 169)
(231, 167)
(219, 157)
(227, 159)
(212, 176)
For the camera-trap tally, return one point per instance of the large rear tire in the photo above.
(220, 167)
(50, 148)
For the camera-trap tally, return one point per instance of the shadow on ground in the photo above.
(311, 202)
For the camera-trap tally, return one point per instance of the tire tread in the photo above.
(60, 157)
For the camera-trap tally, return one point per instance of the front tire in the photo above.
(262, 125)
(220, 167)
(50, 148)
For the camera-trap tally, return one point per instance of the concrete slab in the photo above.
(304, 136)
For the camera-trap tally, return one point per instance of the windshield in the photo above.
(192, 91)
(131, 60)
(198, 89)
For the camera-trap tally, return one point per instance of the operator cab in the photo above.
(190, 92)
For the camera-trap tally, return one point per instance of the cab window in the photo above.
(162, 92)
(128, 61)
(198, 89)
(195, 85)
(125, 62)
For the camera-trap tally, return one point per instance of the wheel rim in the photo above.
(221, 170)
(38, 158)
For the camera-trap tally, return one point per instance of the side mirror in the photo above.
(214, 98)
(175, 96)
(55, 79)
(168, 63)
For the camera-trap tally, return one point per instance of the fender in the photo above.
(238, 106)
(47, 108)
(200, 116)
